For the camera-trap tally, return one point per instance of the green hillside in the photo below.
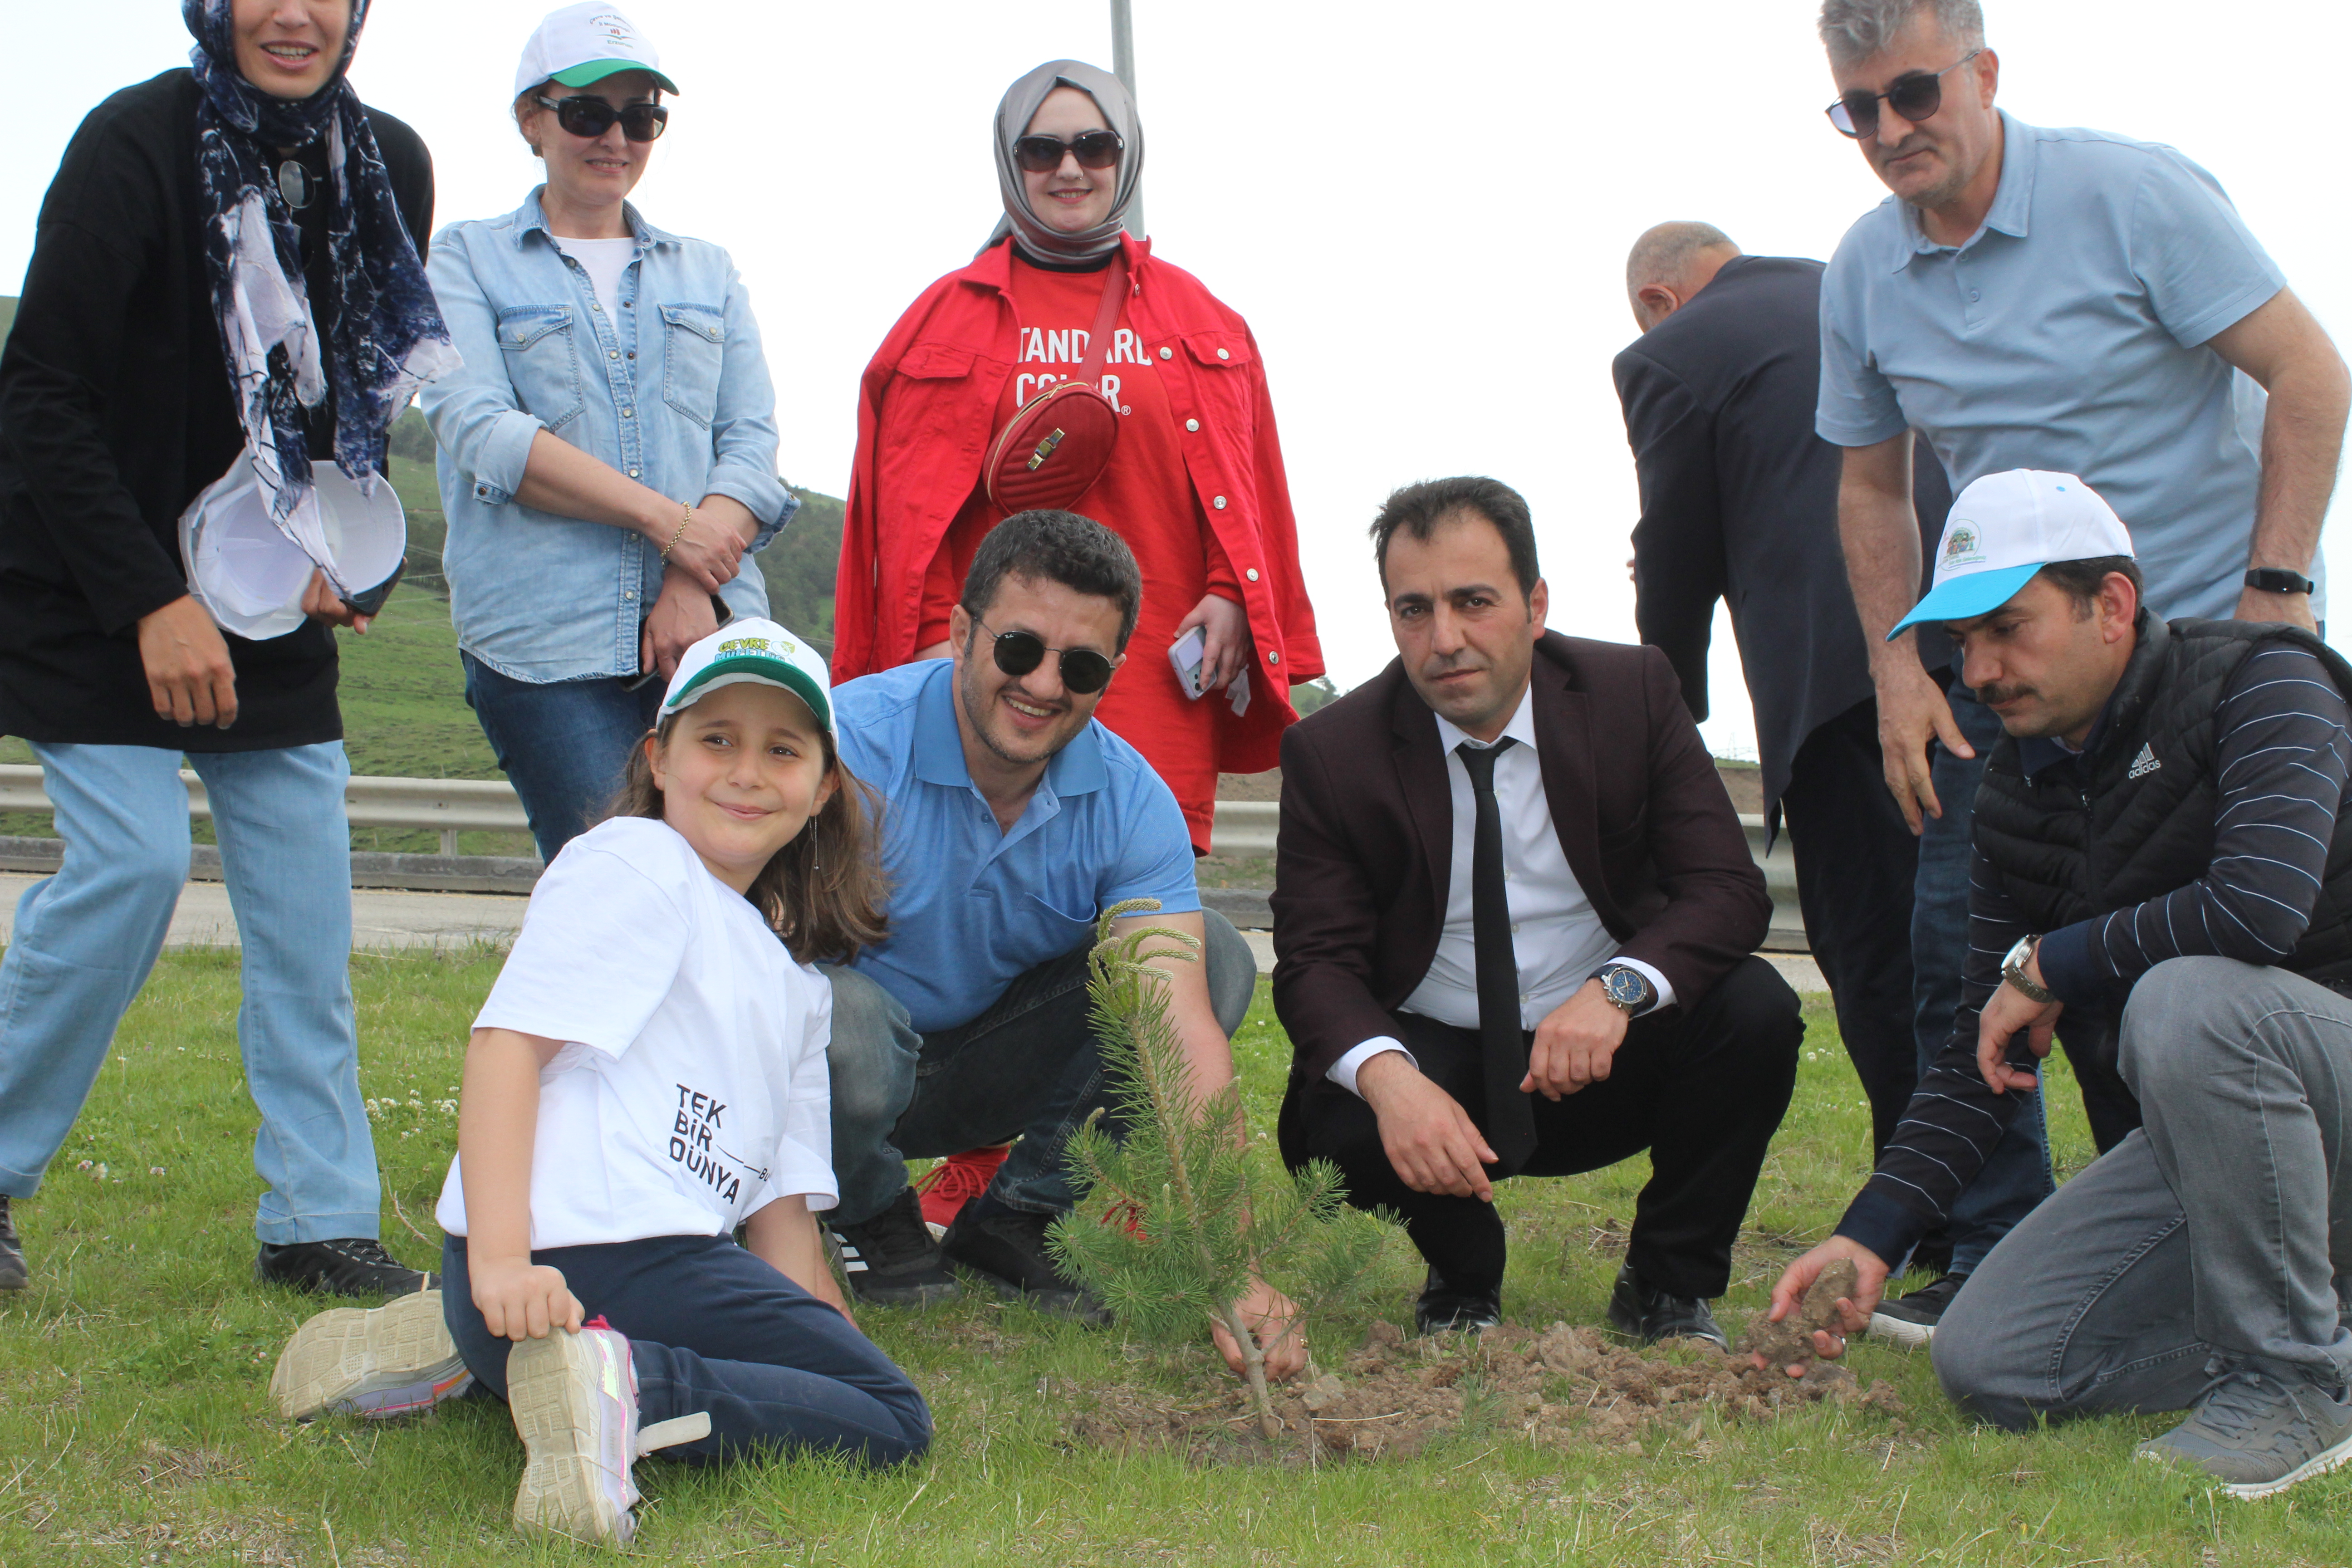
(8, 315)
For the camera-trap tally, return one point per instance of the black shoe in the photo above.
(1443, 1310)
(891, 1259)
(12, 1272)
(1006, 1249)
(351, 1266)
(1910, 1320)
(1641, 1313)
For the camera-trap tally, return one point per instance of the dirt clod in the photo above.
(1790, 1343)
(1562, 1386)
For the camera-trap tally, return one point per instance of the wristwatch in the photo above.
(1627, 988)
(2279, 580)
(2012, 969)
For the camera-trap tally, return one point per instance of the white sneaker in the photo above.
(382, 1361)
(575, 1402)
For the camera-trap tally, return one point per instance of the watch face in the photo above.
(1625, 987)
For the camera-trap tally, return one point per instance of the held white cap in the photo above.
(581, 45)
(752, 649)
(2003, 529)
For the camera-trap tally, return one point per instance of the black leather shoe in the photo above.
(892, 1260)
(1641, 1313)
(1443, 1310)
(350, 1265)
(12, 1272)
(1005, 1250)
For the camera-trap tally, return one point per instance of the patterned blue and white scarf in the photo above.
(386, 336)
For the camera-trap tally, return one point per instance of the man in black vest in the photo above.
(2163, 856)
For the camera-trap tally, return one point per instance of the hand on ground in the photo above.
(1430, 1139)
(1854, 1311)
(520, 1299)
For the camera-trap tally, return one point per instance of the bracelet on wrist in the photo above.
(686, 519)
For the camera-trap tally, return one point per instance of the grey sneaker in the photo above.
(2257, 1434)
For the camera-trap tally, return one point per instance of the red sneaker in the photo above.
(955, 1181)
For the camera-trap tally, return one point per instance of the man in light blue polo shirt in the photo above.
(1011, 818)
(2052, 299)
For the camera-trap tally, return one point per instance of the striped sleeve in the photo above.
(2281, 757)
(1954, 1119)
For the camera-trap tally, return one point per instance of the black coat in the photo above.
(1739, 503)
(116, 412)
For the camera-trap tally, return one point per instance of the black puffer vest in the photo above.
(2144, 825)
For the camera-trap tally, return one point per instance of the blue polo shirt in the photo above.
(2069, 333)
(973, 907)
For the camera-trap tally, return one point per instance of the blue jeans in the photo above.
(1027, 1067)
(713, 1327)
(2017, 1177)
(564, 744)
(86, 937)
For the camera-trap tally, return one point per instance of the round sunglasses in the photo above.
(1916, 96)
(590, 117)
(1093, 149)
(1083, 671)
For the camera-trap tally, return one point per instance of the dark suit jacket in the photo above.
(1366, 845)
(1739, 503)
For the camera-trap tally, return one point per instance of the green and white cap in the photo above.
(753, 650)
(581, 45)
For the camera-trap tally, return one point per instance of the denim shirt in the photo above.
(540, 597)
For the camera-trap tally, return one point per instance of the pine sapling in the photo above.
(1176, 1219)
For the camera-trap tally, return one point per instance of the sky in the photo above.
(1422, 210)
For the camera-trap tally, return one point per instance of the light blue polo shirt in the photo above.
(2069, 333)
(971, 907)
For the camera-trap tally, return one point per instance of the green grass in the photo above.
(134, 1426)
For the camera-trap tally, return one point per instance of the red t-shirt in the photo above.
(1146, 497)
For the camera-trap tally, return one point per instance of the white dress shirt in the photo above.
(1558, 939)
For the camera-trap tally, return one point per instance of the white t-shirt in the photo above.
(603, 260)
(691, 1090)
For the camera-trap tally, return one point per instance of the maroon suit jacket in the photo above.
(1366, 845)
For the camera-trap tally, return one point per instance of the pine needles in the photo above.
(1176, 1218)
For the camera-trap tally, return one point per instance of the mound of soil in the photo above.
(1563, 1385)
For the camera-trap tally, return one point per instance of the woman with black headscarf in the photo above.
(223, 273)
(1195, 483)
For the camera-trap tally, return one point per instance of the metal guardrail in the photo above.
(1245, 829)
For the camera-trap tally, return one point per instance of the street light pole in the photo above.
(1122, 66)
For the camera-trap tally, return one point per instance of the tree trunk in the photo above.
(1253, 1369)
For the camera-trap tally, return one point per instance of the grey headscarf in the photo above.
(1012, 117)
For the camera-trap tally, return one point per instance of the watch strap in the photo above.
(2279, 580)
(2012, 969)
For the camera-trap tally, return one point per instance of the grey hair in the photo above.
(1855, 31)
(1662, 253)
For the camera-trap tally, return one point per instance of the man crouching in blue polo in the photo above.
(2163, 856)
(1011, 818)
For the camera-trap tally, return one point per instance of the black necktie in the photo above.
(1510, 1117)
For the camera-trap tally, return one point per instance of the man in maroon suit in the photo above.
(1513, 919)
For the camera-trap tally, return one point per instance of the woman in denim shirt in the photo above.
(608, 455)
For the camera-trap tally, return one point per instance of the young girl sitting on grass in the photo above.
(648, 1074)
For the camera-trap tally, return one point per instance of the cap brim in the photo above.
(1965, 599)
(591, 72)
(768, 671)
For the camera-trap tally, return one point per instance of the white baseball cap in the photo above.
(250, 572)
(2002, 530)
(757, 651)
(581, 45)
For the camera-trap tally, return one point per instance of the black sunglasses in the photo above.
(1083, 671)
(590, 116)
(1915, 97)
(1093, 149)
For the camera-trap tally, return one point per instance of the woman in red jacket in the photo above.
(1195, 485)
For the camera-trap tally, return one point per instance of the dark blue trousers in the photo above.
(713, 1327)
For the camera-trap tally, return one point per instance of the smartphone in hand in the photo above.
(1186, 653)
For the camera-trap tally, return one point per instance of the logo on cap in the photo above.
(614, 26)
(1961, 546)
(755, 645)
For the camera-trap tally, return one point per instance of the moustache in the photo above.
(1994, 695)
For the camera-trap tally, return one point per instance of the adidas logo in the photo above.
(2144, 763)
(852, 1262)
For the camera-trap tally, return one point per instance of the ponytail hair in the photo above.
(824, 893)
